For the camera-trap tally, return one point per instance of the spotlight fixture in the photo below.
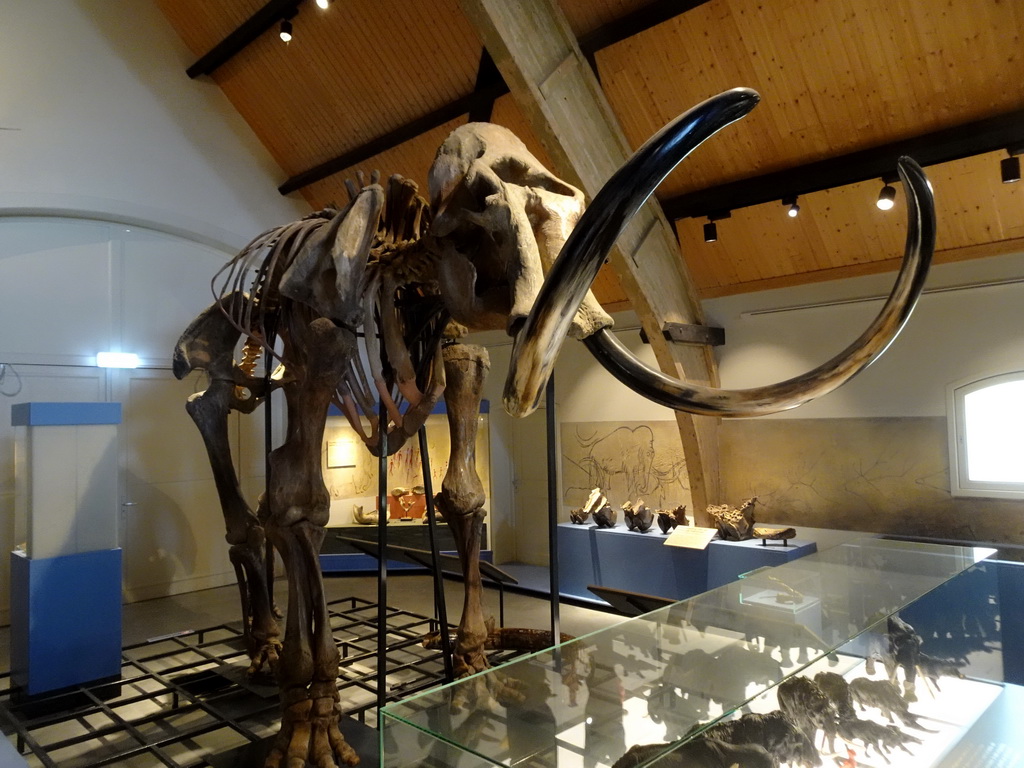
(286, 31)
(710, 228)
(1009, 167)
(794, 210)
(886, 198)
(323, 4)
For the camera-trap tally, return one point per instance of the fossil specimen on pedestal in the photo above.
(370, 517)
(669, 520)
(638, 518)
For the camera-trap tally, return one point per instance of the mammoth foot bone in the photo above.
(309, 732)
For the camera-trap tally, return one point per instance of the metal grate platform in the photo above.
(183, 700)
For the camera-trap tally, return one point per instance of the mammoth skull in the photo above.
(500, 219)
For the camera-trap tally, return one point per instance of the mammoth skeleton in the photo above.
(503, 243)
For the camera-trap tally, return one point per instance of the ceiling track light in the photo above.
(286, 31)
(710, 228)
(887, 197)
(1009, 167)
(794, 209)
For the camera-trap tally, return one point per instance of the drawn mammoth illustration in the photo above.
(625, 451)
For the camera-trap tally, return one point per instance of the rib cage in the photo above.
(398, 289)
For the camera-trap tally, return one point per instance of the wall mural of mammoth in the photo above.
(411, 277)
(626, 451)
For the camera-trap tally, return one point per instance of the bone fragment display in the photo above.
(734, 524)
(638, 517)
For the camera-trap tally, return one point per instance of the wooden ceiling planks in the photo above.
(411, 159)
(840, 232)
(835, 77)
(202, 24)
(587, 15)
(351, 73)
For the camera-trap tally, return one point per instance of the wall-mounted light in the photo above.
(886, 198)
(793, 209)
(117, 360)
(286, 31)
(323, 4)
(1009, 168)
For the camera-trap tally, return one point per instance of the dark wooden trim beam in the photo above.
(684, 333)
(482, 99)
(632, 24)
(942, 146)
(392, 139)
(487, 78)
(265, 18)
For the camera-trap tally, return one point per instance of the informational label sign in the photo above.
(691, 538)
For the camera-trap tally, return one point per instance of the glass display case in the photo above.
(662, 678)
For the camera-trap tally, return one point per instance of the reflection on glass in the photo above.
(656, 678)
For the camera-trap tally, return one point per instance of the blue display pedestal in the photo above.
(66, 577)
(728, 560)
(65, 619)
(623, 559)
(641, 562)
(576, 560)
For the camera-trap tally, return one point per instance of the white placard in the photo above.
(691, 538)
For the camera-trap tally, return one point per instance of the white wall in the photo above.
(125, 186)
(99, 116)
(951, 335)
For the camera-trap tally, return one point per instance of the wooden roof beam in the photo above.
(975, 138)
(487, 90)
(265, 18)
(559, 94)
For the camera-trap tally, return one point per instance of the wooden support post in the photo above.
(555, 87)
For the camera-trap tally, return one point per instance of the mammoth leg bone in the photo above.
(208, 344)
(245, 535)
(462, 495)
(299, 508)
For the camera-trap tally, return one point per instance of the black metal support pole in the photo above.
(549, 399)
(382, 561)
(268, 446)
(440, 606)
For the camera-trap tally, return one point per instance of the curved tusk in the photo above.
(537, 344)
(760, 401)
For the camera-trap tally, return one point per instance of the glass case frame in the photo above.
(666, 675)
